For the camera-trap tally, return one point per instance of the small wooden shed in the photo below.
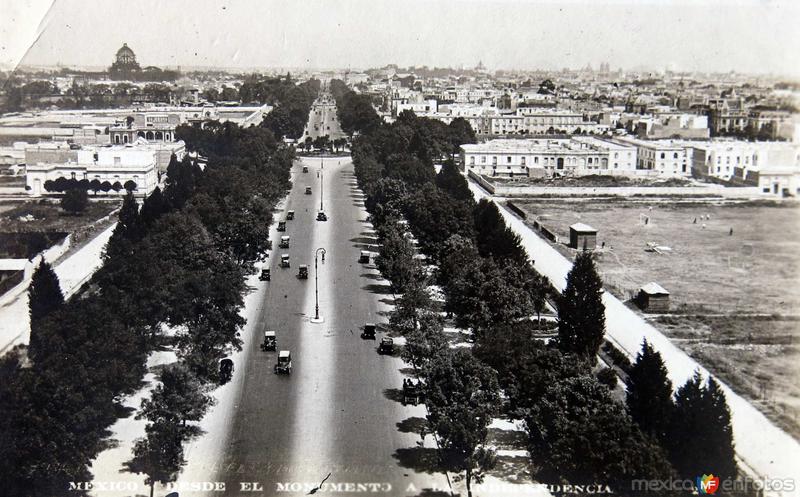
(582, 235)
(653, 298)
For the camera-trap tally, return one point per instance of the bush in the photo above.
(75, 201)
(618, 358)
(607, 377)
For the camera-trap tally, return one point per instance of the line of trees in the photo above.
(172, 276)
(62, 184)
(291, 102)
(577, 431)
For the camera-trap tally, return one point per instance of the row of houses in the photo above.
(773, 166)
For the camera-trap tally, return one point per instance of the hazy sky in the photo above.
(719, 35)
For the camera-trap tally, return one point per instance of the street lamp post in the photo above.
(317, 319)
(321, 187)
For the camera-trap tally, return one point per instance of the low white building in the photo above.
(114, 164)
(540, 157)
(662, 157)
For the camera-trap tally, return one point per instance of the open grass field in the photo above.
(735, 297)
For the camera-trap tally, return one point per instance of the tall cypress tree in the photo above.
(581, 312)
(153, 207)
(128, 230)
(44, 297)
(701, 438)
(129, 220)
(649, 397)
(450, 180)
(494, 238)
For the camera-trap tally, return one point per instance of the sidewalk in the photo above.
(72, 272)
(766, 450)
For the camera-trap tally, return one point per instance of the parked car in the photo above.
(264, 276)
(284, 242)
(281, 225)
(305, 169)
(369, 331)
(308, 190)
(386, 346)
(412, 392)
(321, 216)
(289, 215)
(225, 370)
(269, 343)
(364, 257)
(284, 260)
(302, 272)
(284, 364)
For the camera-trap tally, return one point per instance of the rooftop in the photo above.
(582, 228)
(653, 288)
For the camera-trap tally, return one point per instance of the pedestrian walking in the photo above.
(695, 221)
(731, 232)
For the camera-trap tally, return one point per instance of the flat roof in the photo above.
(582, 228)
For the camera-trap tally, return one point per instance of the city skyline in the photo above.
(686, 36)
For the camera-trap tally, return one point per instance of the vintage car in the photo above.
(225, 370)
(289, 215)
(269, 342)
(281, 225)
(369, 331)
(284, 242)
(302, 272)
(364, 257)
(264, 276)
(308, 190)
(386, 346)
(321, 216)
(284, 260)
(284, 364)
(412, 392)
(305, 169)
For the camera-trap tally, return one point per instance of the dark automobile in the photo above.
(369, 331)
(269, 342)
(386, 346)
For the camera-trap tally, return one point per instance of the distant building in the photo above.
(152, 126)
(124, 65)
(664, 157)
(543, 157)
(653, 298)
(582, 236)
(116, 165)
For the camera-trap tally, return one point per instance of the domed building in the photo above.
(125, 65)
(125, 56)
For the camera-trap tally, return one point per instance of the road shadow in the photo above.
(408, 372)
(363, 239)
(508, 439)
(414, 424)
(387, 301)
(420, 459)
(513, 469)
(394, 394)
(429, 492)
(380, 289)
(371, 276)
